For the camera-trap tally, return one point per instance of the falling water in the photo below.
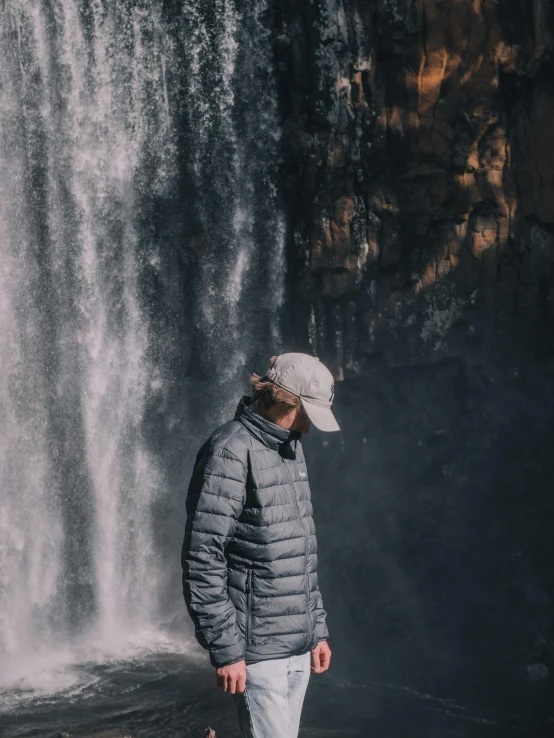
(231, 92)
(31, 535)
(106, 109)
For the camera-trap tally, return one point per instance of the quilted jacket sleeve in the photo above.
(215, 500)
(321, 624)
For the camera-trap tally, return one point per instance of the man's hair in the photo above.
(266, 393)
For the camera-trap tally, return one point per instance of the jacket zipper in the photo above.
(248, 604)
(306, 575)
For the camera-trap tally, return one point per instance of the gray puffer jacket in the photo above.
(250, 553)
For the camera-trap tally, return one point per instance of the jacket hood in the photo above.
(270, 434)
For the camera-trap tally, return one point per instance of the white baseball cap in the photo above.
(307, 378)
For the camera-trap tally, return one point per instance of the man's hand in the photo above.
(321, 656)
(232, 678)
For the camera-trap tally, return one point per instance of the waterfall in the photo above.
(141, 245)
(236, 224)
(31, 535)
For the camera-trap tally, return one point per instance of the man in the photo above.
(250, 553)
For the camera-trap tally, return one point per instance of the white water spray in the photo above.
(94, 95)
(87, 89)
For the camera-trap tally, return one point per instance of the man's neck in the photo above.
(271, 415)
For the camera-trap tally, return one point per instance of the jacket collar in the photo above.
(270, 434)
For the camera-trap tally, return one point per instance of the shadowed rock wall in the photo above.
(418, 158)
(418, 153)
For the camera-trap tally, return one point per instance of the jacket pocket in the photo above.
(248, 632)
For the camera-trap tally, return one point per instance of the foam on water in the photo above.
(71, 673)
(42, 677)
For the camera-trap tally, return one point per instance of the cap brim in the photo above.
(321, 417)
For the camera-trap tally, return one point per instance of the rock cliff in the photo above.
(417, 160)
(418, 157)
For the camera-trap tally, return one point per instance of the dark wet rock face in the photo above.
(418, 155)
(434, 511)
(417, 170)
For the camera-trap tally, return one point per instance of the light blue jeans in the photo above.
(271, 704)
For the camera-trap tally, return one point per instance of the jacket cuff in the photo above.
(322, 632)
(226, 656)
